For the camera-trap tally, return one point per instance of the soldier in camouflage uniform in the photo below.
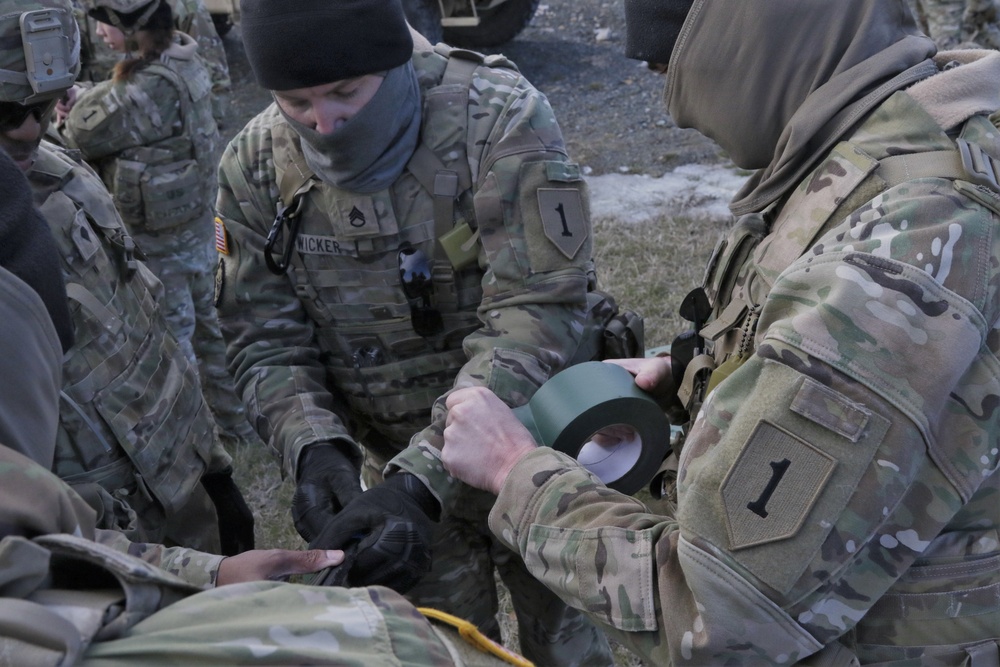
(191, 18)
(150, 134)
(71, 593)
(838, 497)
(403, 220)
(37, 336)
(70, 597)
(133, 420)
(959, 23)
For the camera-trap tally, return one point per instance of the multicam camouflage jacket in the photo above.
(70, 594)
(154, 143)
(132, 416)
(838, 495)
(330, 351)
(65, 582)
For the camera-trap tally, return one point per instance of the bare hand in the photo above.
(275, 564)
(483, 439)
(652, 375)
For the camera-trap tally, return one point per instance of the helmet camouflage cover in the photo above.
(39, 49)
(126, 15)
(120, 6)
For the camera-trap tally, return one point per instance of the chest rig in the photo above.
(165, 184)
(746, 263)
(341, 252)
(132, 418)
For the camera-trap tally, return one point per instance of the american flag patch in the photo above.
(221, 239)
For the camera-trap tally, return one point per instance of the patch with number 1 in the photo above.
(562, 216)
(771, 487)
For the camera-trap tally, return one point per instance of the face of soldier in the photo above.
(327, 107)
(112, 36)
(22, 128)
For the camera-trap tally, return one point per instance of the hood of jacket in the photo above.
(776, 83)
(182, 48)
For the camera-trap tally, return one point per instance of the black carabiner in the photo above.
(292, 220)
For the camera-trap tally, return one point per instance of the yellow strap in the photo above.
(471, 634)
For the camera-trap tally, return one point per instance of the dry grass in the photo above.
(648, 267)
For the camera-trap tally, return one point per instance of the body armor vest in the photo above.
(346, 270)
(132, 416)
(743, 269)
(170, 182)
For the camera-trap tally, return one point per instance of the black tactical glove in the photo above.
(392, 525)
(327, 481)
(235, 518)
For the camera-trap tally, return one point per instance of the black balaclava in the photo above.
(28, 250)
(303, 43)
(652, 28)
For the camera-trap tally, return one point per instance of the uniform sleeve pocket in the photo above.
(793, 458)
(516, 375)
(609, 571)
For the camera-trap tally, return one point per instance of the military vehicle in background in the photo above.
(466, 23)
(225, 13)
(470, 23)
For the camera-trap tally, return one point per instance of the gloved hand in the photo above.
(235, 517)
(392, 525)
(326, 482)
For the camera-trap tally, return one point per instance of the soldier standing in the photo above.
(403, 220)
(132, 417)
(190, 17)
(838, 489)
(150, 133)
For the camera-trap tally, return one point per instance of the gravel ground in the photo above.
(609, 106)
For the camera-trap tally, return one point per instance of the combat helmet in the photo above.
(39, 50)
(126, 15)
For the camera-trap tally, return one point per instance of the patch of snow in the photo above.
(696, 191)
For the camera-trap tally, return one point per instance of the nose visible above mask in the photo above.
(652, 28)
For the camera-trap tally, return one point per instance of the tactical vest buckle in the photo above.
(981, 167)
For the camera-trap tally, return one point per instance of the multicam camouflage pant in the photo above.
(461, 582)
(270, 623)
(188, 278)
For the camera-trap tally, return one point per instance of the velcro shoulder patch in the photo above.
(563, 220)
(772, 486)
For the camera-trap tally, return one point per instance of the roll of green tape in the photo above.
(572, 406)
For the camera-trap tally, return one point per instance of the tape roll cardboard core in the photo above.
(610, 454)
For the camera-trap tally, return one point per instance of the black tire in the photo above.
(223, 24)
(425, 17)
(496, 26)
